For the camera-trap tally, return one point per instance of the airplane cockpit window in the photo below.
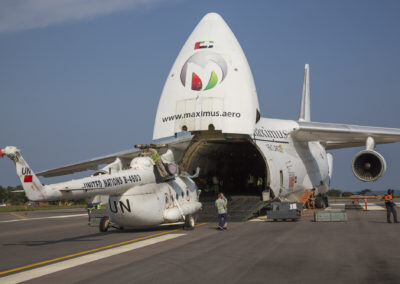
(187, 192)
(177, 196)
(182, 194)
(166, 199)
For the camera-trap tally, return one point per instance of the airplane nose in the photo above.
(1, 153)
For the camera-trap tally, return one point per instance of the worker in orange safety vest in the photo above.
(390, 206)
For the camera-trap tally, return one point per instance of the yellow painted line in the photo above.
(19, 216)
(90, 251)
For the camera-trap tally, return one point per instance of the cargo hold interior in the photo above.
(231, 160)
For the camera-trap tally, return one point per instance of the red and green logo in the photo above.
(203, 71)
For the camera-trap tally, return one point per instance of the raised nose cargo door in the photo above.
(210, 83)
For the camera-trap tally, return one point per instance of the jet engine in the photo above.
(368, 165)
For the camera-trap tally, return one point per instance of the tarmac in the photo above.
(59, 247)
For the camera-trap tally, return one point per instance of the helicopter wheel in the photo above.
(189, 223)
(104, 224)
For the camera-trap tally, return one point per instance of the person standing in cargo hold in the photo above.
(221, 204)
(215, 182)
(260, 183)
(250, 182)
(390, 206)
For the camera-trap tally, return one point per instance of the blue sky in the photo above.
(80, 79)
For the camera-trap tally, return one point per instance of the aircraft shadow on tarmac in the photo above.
(92, 237)
(86, 238)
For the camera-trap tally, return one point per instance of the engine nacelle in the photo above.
(368, 165)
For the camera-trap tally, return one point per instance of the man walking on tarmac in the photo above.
(390, 206)
(221, 204)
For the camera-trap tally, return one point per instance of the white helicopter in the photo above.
(138, 197)
(210, 93)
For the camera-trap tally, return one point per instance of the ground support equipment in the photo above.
(284, 211)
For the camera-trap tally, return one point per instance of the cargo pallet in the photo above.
(331, 215)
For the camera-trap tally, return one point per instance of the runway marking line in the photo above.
(92, 250)
(18, 216)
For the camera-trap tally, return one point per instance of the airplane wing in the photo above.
(336, 136)
(125, 156)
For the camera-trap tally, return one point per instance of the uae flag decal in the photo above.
(204, 44)
(28, 178)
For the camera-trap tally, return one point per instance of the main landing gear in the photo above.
(104, 224)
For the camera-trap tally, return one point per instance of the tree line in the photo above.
(7, 196)
(339, 193)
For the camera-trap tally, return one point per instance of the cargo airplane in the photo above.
(210, 96)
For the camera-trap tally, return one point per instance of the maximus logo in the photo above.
(203, 71)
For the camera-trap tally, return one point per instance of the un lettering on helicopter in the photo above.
(210, 93)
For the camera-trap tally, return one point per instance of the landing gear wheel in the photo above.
(104, 224)
(189, 223)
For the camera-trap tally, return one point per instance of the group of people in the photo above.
(222, 204)
(252, 182)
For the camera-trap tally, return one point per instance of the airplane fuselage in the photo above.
(288, 167)
(292, 166)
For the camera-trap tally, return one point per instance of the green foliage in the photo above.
(347, 194)
(17, 199)
(9, 197)
(334, 192)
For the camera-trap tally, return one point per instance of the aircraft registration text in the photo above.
(109, 182)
